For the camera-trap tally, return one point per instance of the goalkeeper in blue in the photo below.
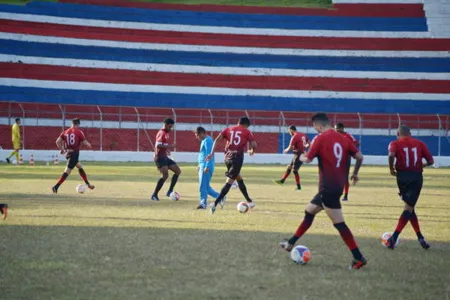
(205, 168)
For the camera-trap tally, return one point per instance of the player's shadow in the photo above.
(144, 262)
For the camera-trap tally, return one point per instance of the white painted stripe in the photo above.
(73, 85)
(45, 122)
(211, 29)
(85, 63)
(221, 49)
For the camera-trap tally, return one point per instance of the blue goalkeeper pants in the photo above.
(204, 180)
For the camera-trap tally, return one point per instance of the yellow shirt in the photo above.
(16, 133)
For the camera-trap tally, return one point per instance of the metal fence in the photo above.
(137, 126)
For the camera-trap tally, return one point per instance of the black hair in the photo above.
(17, 120)
(340, 126)
(320, 118)
(244, 121)
(200, 130)
(292, 127)
(168, 121)
(76, 121)
(404, 130)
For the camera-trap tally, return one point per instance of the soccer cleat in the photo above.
(4, 211)
(222, 202)
(212, 208)
(298, 188)
(391, 243)
(345, 198)
(251, 204)
(358, 264)
(424, 244)
(91, 186)
(55, 189)
(154, 198)
(279, 182)
(286, 246)
(201, 207)
(8, 161)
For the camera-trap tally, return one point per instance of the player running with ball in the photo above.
(69, 143)
(332, 151)
(237, 138)
(407, 153)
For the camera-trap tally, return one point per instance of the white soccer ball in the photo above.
(385, 237)
(175, 196)
(234, 185)
(14, 162)
(81, 188)
(242, 207)
(300, 255)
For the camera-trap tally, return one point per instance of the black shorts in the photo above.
(409, 185)
(72, 159)
(296, 163)
(234, 167)
(327, 200)
(164, 162)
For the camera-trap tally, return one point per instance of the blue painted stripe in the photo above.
(220, 19)
(397, 64)
(378, 144)
(223, 102)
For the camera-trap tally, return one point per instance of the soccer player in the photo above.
(16, 141)
(339, 127)
(332, 151)
(237, 138)
(299, 142)
(205, 168)
(4, 210)
(408, 153)
(69, 143)
(162, 160)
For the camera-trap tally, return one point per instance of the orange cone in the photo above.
(21, 160)
(31, 159)
(56, 162)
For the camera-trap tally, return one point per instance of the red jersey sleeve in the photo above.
(426, 153)
(250, 136)
(161, 137)
(315, 146)
(352, 150)
(392, 147)
(81, 136)
(226, 134)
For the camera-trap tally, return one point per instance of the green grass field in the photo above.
(113, 243)
(285, 3)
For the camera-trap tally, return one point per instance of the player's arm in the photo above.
(427, 155)
(288, 147)
(252, 149)
(307, 142)
(208, 147)
(60, 144)
(391, 158)
(87, 144)
(359, 160)
(216, 141)
(313, 151)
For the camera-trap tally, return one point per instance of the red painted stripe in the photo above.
(213, 39)
(342, 10)
(60, 73)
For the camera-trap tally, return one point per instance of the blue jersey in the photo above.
(205, 149)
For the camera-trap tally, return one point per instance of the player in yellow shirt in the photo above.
(16, 140)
